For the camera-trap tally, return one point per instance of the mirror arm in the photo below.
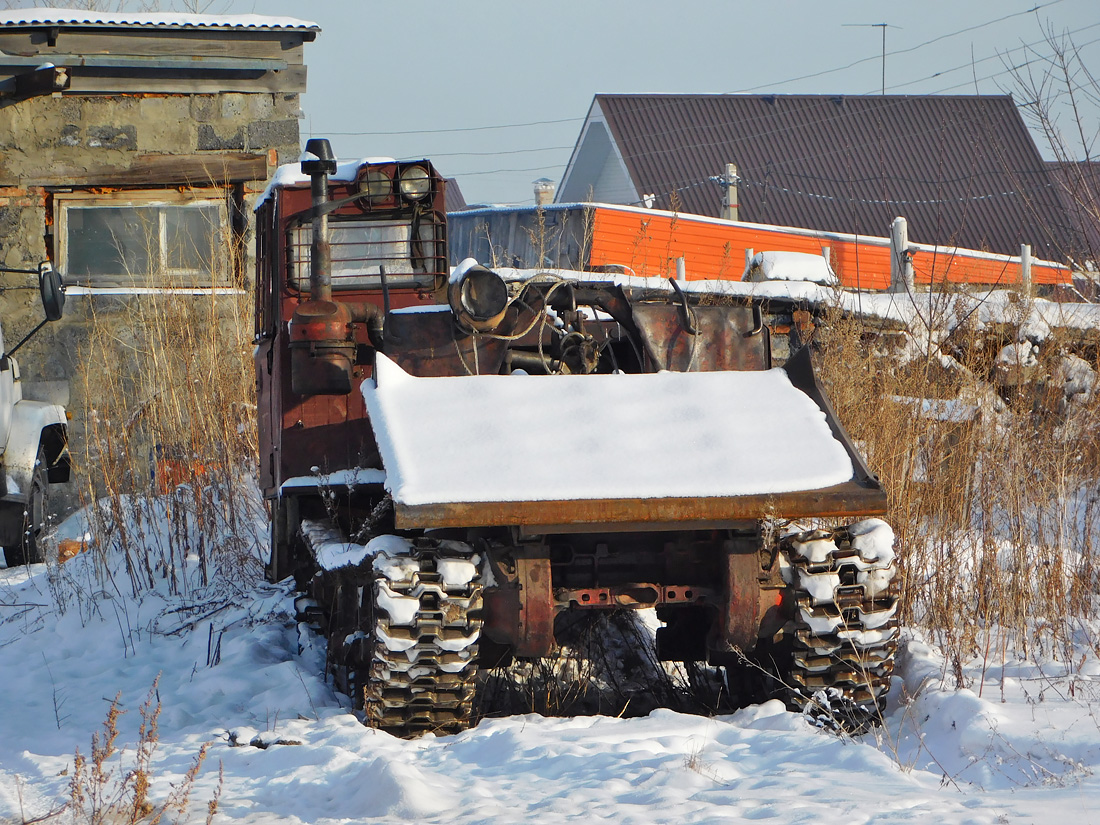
(26, 337)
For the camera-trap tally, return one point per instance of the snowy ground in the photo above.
(235, 671)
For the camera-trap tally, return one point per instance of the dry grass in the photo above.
(167, 401)
(607, 665)
(993, 499)
(102, 790)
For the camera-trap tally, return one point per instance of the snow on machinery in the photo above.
(34, 440)
(455, 463)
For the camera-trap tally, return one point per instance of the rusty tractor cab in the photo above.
(432, 536)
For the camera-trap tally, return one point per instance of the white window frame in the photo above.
(163, 278)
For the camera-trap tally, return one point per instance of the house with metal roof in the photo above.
(104, 113)
(963, 170)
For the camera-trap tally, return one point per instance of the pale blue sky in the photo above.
(428, 69)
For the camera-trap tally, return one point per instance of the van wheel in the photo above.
(34, 518)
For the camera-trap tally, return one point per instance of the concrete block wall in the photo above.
(63, 143)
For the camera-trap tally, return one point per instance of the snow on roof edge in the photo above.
(290, 174)
(76, 17)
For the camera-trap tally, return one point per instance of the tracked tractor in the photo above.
(456, 463)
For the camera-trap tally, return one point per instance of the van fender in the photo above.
(32, 422)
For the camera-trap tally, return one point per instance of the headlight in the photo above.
(478, 297)
(376, 184)
(415, 182)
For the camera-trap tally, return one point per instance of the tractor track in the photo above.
(846, 627)
(403, 629)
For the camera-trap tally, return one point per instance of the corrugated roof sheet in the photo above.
(963, 170)
(1078, 186)
(455, 201)
(93, 19)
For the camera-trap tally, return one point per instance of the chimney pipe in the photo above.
(544, 191)
(322, 345)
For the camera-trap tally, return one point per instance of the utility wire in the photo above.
(498, 171)
(898, 51)
(751, 89)
(1036, 59)
(986, 60)
(434, 155)
(810, 103)
(658, 103)
(463, 129)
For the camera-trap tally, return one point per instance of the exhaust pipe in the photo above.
(322, 344)
(319, 166)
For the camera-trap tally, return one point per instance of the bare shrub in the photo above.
(992, 496)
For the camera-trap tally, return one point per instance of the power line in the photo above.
(814, 101)
(434, 155)
(899, 51)
(1036, 59)
(986, 60)
(658, 103)
(714, 126)
(463, 129)
(499, 171)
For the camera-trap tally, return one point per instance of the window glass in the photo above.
(190, 237)
(148, 243)
(359, 248)
(111, 241)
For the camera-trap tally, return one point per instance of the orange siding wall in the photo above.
(650, 243)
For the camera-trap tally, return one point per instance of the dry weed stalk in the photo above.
(607, 665)
(169, 415)
(993, 499)
(102, 792)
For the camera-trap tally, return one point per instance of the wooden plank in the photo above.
(105, 81)
(163, 170)
(848, 500)
(284, 45)
(186, 62)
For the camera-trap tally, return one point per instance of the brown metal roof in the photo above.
(453, 195)
(963, 170)
(1078, 187)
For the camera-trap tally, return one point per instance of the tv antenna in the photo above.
(884, 27)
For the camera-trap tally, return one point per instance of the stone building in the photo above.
(131, 149)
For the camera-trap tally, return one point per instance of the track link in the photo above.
(846, 628)
(403, 628)
(423, 647)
